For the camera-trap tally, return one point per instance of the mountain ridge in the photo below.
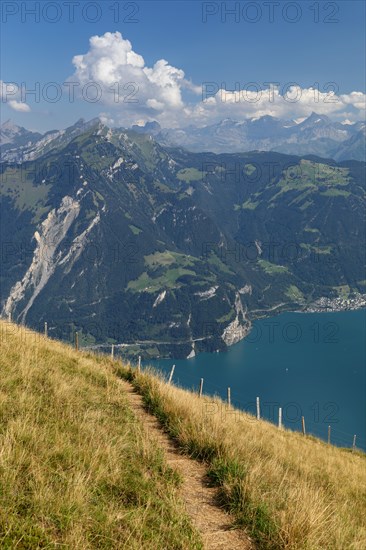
(110, 225)
(316, 134)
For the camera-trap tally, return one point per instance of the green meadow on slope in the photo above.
(157, 230)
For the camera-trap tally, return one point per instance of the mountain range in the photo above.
(315, 135)
(168, 252)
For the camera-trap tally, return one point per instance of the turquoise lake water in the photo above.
(312, 365)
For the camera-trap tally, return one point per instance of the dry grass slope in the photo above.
(289, 491)
(77, 470)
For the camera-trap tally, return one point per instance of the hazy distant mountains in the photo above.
(128, 241)
(18, 144)
(316, 135)
(12, 136)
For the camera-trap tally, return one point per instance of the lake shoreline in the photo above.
(311, 365)
(321, 305)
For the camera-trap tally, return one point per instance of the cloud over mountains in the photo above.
(126, 91)
(131, 91)
(125, 82)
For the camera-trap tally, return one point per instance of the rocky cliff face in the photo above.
(45, 259)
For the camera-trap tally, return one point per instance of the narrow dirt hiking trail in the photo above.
(214, 524)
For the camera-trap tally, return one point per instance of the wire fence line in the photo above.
(335, 436)
(330, 433)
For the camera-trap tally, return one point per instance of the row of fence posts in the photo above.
(258, 410)
(76, 337)
(200, 391)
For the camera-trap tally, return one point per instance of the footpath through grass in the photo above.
(77, 470)
(289, 491)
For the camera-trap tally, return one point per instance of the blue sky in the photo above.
(304, 52)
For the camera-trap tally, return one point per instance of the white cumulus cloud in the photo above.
(132, 92)
(290, 102)
(124, 80)
(356, 99)
(19, 106)
(10, 94)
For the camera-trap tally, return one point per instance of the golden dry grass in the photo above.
(290, 491)
(77, 470)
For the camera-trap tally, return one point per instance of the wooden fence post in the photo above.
(139, 364)
(45, 329)
(76, 341)
(201, 387)
(354, 444)
(329, 435)
(303, 425)
(229, 397)
(258, 409)
(280, 417)
(112, 351)
(171, 374)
